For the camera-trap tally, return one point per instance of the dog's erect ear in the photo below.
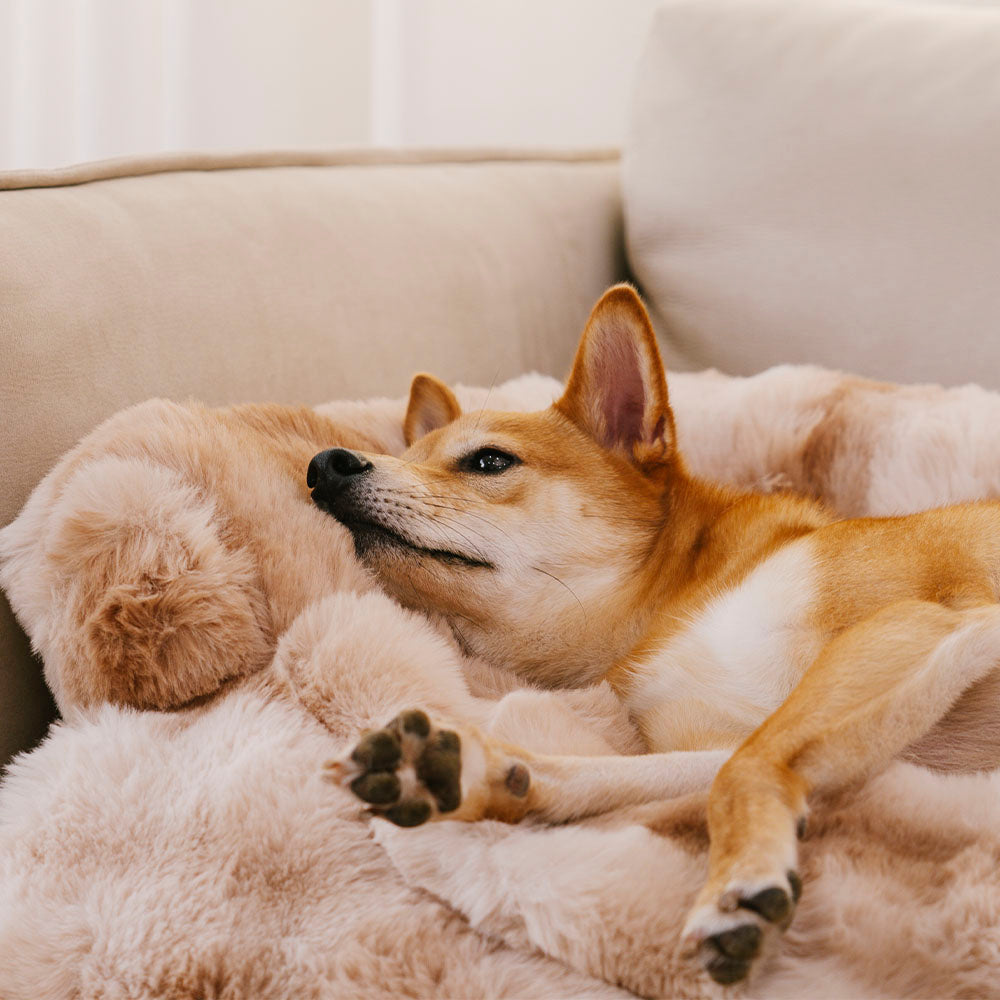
(432, 405)
(617, 391)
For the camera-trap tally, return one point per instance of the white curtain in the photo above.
(89, 79)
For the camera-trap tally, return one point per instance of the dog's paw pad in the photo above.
(726, 944)
(414, 721)
(407, 772)
(775, 903)
(728, 933)
(378, 751)
(795, 883)
(411, 812)
(518, 780)
(379, 788)
(727, 956)
(741, 943)
(439, 769)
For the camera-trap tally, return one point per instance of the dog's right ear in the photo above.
(432, 405)
(617, 390)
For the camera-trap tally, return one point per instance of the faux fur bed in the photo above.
(196, 851)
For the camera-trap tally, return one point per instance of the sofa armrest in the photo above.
(284, 277)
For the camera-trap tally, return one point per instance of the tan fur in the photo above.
(898, 622)
(179, 547)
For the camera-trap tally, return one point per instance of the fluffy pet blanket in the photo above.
(211, 641)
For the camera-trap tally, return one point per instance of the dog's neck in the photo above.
(711, 537)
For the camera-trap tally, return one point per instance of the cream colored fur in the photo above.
(198, 852)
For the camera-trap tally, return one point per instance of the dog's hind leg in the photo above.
(874, 690)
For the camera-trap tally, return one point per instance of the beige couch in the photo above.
(295, 278)
(868, 244)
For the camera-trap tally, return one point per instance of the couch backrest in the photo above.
(818, 182)
(297, 279)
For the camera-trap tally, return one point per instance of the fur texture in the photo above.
(815, 650)
(197, 852)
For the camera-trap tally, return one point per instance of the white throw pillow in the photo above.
(817, 181)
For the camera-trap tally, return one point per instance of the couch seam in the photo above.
(144, 166)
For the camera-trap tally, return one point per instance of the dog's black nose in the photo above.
(331, 470)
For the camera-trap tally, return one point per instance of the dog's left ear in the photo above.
(432, 405)
(617, 390)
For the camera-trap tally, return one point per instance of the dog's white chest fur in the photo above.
(718, 678)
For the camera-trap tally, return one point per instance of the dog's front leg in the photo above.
(874, 690)
(568, 788)
(414, 770)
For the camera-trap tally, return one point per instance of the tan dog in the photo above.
(573, 544)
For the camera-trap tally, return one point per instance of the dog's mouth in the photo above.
(371, 535)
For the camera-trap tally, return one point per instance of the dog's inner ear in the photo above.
(617, 390)
(432, 405)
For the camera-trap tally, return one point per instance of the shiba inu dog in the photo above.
(573, 544)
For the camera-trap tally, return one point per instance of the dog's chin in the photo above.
(373, 542)
(376, 543)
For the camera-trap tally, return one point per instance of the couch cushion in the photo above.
(818, 182)
(287, 283)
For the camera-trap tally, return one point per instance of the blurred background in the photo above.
(89, 79)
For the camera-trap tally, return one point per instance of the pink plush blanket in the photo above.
(197, 852)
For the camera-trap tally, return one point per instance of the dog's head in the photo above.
(531, 532)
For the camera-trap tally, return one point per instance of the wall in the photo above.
(89, 79)
(522, 72)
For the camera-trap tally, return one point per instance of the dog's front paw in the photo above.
(728, 930)
(409, 771)
(412, 771)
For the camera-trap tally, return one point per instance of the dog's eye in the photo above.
(489, 461)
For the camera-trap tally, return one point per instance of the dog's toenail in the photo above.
(800, 828)
(772, 904)
(518, 780)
